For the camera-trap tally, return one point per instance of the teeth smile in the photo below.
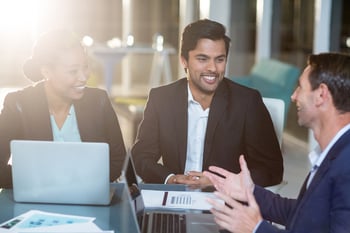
(209, 77)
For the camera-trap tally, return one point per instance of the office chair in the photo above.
(277, 111)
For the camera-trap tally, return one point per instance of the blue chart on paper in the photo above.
(42, 220)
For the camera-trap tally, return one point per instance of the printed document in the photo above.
(177, 199)
(39, 221)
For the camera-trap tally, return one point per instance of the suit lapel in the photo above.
(217, 108)
(82, 126)
(84, 119)
(305, 193)
(332, 154)
(320, 173)
(40, 122)
(181, 122)
(303, 188)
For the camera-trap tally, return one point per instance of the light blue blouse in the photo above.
(69, 131)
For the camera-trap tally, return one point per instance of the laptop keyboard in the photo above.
(164, 223)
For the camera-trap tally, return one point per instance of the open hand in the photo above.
(235, 216)
(231, 184)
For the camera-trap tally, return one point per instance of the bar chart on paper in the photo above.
(177, 199)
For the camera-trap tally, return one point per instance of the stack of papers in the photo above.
(39, 221)
(177, 199)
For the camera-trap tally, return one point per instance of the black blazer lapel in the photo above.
(217, 108)
(38, 124)
(83, 120)
(88, 120)
(181, 122)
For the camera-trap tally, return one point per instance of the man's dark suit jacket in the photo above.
(238, 123)
(323, 207)
(25, 115)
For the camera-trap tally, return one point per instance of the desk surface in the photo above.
(115, 217)
(107, 217)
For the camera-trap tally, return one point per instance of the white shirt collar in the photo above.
(317, 156)
(190, 96)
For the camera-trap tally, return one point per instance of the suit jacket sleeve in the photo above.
(10, 127)
(25, 115)
(147, 148)
(98, 122)
(115, 140)
(262, 150)
(273, 207)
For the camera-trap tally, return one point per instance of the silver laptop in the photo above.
(60, 172)
(156, 220)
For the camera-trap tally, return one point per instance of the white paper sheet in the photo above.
(177, 199)
(39, 221)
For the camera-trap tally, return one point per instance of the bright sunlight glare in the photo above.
(18, 15)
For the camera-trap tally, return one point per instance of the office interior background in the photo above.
(295, 29)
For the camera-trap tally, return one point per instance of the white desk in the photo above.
(109, 57)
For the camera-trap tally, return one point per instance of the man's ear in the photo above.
(184, 62)
(323, 94)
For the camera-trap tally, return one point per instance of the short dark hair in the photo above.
(332, 69)
(202, 29)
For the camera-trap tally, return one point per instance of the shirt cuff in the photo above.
(257, 226)
(168, 177)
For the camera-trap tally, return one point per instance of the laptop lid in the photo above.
(195, 222)
(60, 172)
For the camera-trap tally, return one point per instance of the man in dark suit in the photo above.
(323, 205)
(205, 119)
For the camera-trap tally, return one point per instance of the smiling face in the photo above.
(206, 66)
(67, 77)
(305, 100)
